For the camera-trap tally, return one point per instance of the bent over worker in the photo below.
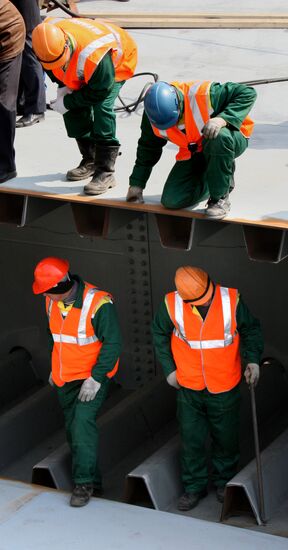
(85, 341)
(208, 122)
(198, 333)
(90, 60)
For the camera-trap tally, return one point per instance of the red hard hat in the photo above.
(48, 273)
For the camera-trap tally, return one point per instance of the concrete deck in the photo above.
(34, 517)
(44, 153)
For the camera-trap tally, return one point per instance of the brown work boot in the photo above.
(135, 194)
(81, 494)
(103, 177)
(189, 500)
(86, 167)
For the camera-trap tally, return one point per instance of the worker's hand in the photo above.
(61, 92)
(89, 389)
(58, 105)
(252, 373)
(172, 380)
(50, 380)
(135, 194)
(213, 127)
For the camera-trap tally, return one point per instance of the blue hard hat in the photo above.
(162, 106)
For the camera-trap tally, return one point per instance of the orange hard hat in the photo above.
(50, 45)
(194, 284)
(48, 273)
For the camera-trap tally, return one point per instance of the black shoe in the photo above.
(29, 120)
(8, 176)
(220, 491)
(81, 494)
(189, 500)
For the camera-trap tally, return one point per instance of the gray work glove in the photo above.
(213, 127)
(252, 373)
(61, 92)
(172, 380)
(89, 389)
(58, 105)
(50, 380)
(135, 194)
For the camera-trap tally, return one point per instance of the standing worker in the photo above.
(209, 123)
(198, 331)
(31, 94)
(86, 343)
(12, 39)
(92, 59)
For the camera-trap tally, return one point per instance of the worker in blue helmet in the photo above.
(209, 123)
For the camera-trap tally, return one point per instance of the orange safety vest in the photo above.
(93, 40)
(76, 346)
(206, 353)
(197, 111)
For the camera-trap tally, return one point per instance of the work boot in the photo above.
(218, 209)
(103, 177)
(135, 194)
(220, 491)
(86, 166)
(189, 500)
(81, 494)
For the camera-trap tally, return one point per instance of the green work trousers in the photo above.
(201, 412)
(81, 430)
(96, 122)
(208, 173)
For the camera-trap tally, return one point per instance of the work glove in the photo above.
(135, 194)
(213, 127)
(58, 105)
(50, 380)
(61, 92)
(252, 373)
(172, 380)
(89, 389)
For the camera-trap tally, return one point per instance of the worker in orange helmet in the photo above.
(85, 346)
(197, 333)
(90, 60)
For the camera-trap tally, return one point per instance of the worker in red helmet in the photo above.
(90, 60)
(197, 333)
(209, 124)
(85, 342)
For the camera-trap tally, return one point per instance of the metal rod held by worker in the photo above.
(258, 457)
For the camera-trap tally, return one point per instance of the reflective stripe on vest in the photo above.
(82, 339)
(206, 344)
(197, 111)
(94, 40)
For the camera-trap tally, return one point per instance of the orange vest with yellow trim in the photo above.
(93, 40)
(206, 352)
(197, 111)
(76, 346)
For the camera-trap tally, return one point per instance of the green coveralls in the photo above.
(202, 412)
(80, 417)
(208, 173)
(91, 109)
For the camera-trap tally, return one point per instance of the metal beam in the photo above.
(265, 244)
(157, 480)
(241, 492)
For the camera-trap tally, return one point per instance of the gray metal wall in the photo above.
(137, 270)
